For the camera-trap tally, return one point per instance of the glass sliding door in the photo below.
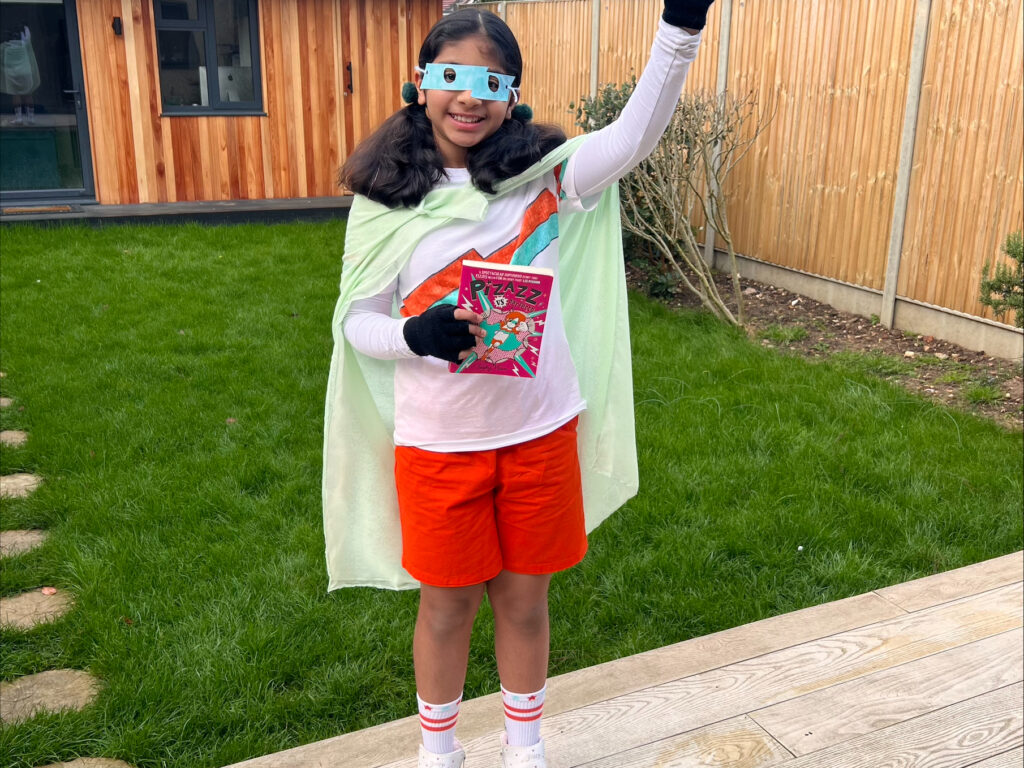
(44, 151)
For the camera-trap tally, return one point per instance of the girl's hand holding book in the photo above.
(444, 331)
(690, 15)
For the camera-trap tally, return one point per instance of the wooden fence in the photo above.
(821, 190)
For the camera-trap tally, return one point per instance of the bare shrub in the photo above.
(683, 178)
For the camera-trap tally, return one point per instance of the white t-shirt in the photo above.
(440, 411)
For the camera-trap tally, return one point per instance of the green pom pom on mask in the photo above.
(522, 112)
(409, 93)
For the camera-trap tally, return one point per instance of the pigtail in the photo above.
(514, 147)
(398, 164)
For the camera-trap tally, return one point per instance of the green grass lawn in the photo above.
(172, 382)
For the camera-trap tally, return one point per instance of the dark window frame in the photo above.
(206, 23)
(70, 195)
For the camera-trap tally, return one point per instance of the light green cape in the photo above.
(361, 522)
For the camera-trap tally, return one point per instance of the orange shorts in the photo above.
(468, 516)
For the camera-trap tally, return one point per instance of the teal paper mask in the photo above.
(479, 81)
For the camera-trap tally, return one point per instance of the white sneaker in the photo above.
(522, 757)
(447, 760)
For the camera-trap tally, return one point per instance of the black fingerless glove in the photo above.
(692, 14)
(437, 333)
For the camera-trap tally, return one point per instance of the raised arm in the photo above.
(610, 153)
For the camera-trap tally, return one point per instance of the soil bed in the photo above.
(794, 324)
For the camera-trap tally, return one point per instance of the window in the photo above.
(208, 52)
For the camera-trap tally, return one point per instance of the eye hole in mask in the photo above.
(479, 81)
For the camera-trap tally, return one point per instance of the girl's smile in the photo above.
(460, 120)
(466, 121)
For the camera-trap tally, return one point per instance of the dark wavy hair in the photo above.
(399, 163)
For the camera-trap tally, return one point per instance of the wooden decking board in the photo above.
(737, 743)
(666, 696)
(970, 580)
(388, 742)
(960, 735)
(1012, 759)
(915, 636)
(658, 712)
(702, 654)
(877, 701)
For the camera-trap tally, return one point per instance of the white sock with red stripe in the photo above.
(522, 716)
(437, 723)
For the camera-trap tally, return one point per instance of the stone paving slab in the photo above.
(30, 609)
(13, 438)
(6, 402)
(14, 543)
(52, 691)
(18, 486)
(91, 762)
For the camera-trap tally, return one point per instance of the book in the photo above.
(514, 302)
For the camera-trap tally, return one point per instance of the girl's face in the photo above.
(459, 120)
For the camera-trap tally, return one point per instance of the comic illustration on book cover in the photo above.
(514, 303)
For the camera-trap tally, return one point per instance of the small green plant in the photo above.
(784, 334)
(875, 319)
(663, 285)
(1003, 290)
(875, 362)
(953, 377)
(983, 393)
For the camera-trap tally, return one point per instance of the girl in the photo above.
(493, 487)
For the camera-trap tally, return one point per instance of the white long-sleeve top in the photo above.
(440, 411)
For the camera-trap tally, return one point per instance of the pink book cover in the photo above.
(514, 302)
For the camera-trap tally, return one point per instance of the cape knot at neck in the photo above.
(460, 203)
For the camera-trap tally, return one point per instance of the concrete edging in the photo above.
(974, 333)
(207, 212)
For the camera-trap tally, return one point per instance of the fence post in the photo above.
(503, 12)
(595, 45)
(901, 198)
(725, 28)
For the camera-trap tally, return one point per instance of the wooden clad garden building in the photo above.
(153, 101)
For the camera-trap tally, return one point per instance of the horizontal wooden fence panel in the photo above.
(627, 32)
(312, 123)
(816, 192)
(556, 56)
(967, 189)
(556, 40)
(836, 80)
